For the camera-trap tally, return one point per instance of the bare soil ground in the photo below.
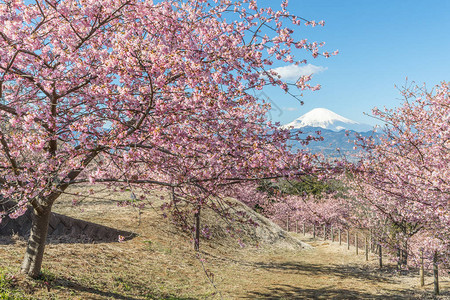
(160, 263)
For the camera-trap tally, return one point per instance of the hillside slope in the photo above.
(160, 264)
(71, 223)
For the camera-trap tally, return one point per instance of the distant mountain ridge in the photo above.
(326, 119)
(335, 143)
(338, 132)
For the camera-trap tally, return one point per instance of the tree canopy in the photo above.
(140, 92)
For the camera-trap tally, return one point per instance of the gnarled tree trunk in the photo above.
(34, 254)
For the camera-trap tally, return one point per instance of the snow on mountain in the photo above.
(326, 119)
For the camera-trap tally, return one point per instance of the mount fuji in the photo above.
(333, 128)
(326, 119)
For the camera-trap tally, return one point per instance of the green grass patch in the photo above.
(7, 286)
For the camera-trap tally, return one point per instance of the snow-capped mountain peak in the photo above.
(325, 118)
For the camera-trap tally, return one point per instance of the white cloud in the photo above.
(290, 108)
(293, 72)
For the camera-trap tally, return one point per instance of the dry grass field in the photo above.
(160, 264)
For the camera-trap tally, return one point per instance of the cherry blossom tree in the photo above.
(305, 199)
(139, 93)
(405, 179)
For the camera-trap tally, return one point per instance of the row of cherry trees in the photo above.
(399, 190)
(404, 181)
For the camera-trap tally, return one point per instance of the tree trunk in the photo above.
(340, 239)
(380, 256)
(296, 226)
(287, 224)
(197, 230)
(34, 254)
(324, 232)
(422, 271)
(436, 273)
(314, 231)
(304, 231)
(405, 254)
(356, 242)
(366, 241)
(332, 234)
(348, 239)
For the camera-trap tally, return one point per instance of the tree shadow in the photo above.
(62, 229)
(340, 271)
(95, 293)
(61, 283)
(291, 292)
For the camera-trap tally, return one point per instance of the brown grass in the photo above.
(160, 264)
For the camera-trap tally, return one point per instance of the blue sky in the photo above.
(380, 44)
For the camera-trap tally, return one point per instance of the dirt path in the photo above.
(328, 271)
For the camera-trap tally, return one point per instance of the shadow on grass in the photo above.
(340, 271)
(95, 293)
(292, 292)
